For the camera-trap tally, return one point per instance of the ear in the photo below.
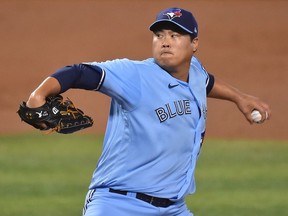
(194, 44)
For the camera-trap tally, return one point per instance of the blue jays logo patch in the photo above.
(174, 13)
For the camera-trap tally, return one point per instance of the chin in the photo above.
(167, 67)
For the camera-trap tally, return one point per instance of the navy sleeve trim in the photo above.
(209, 83)
(99, 70)
(101, 80)
(81, 76)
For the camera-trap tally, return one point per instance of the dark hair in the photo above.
(192, 37)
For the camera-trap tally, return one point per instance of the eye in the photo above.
(158, 35)
(175, 35)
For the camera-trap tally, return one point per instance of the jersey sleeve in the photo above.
(122, 81)
(208, 76)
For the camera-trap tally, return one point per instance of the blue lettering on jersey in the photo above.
(177, 108)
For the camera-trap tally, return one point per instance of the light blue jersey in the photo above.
(155, 128)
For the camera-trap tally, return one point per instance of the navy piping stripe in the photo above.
(88, 200)
(101, 80)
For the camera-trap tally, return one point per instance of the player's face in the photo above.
(172, 50)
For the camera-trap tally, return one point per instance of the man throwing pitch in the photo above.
(156, 123)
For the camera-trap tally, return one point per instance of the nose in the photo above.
(165, 43)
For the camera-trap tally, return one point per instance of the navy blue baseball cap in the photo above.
(178, 16)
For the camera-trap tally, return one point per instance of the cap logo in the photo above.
(173, 13)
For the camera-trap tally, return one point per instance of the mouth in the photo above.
(166, 53)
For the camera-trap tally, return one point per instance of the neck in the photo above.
(180, 73)
(180, 76)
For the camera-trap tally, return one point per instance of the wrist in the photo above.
(35, 100)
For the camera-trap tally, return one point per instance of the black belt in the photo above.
(155, 201)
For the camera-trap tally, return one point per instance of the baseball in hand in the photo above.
(256, 116)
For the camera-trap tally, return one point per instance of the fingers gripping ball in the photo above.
(57, 115)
